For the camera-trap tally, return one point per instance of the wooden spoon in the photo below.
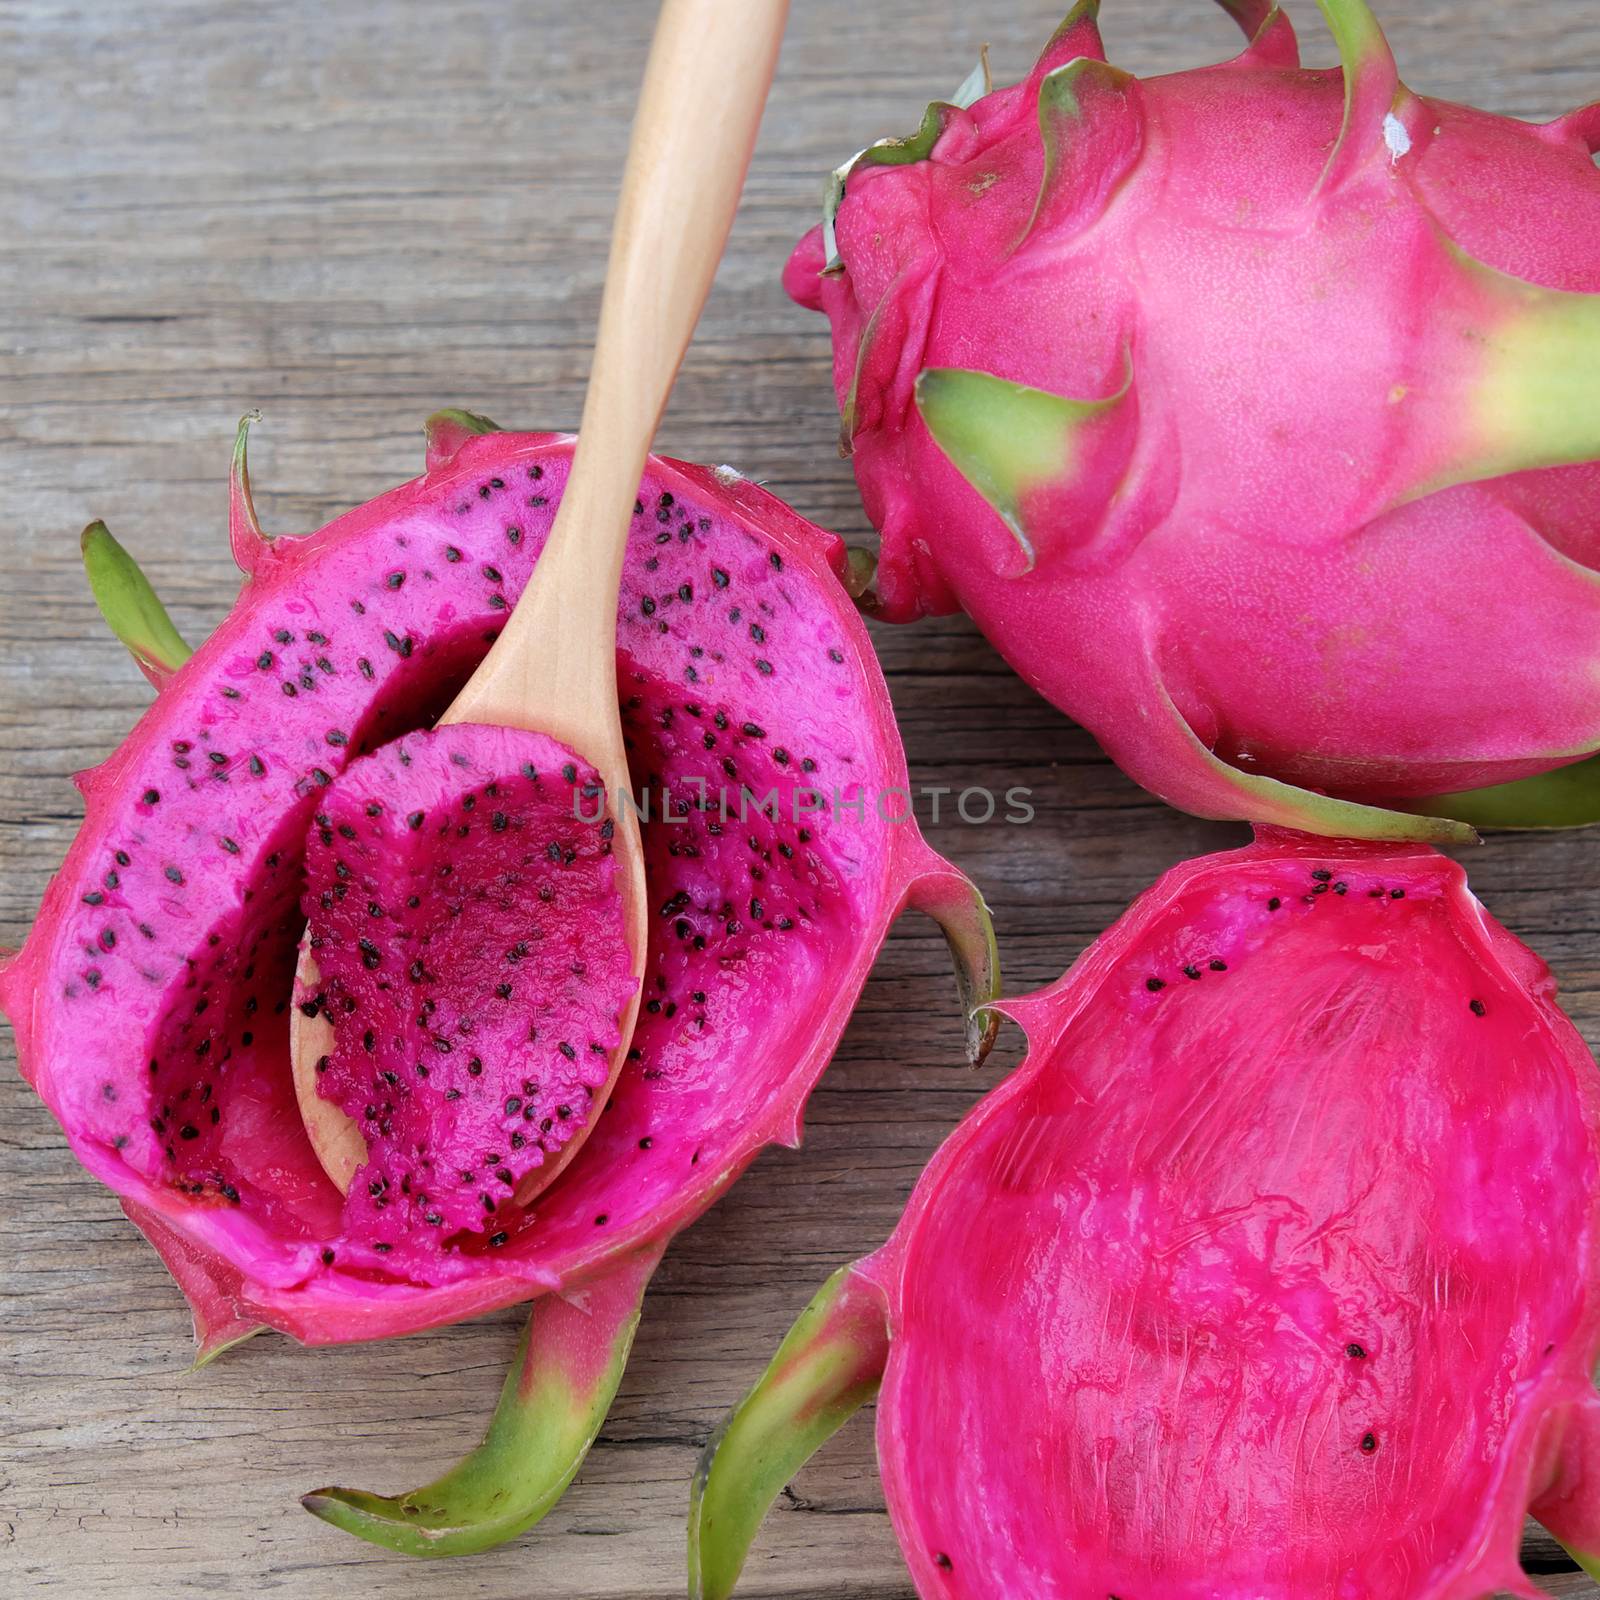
(554, 667)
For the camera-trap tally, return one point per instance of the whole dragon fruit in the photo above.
(1271, 1271)
(1250, 412)
(151, 1001)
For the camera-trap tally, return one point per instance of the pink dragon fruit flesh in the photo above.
(152, 1000)
(1250, 413)
(1271, 1271)
(472, 993)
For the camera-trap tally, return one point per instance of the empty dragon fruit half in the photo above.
(1249, 412)
(1271, 1271)
(152, 1000)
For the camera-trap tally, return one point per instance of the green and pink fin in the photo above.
(1372, 90)
(827, 1368)
(210, 1285)
(131, 607)
(1172, 761)
(1081, 174)
(976, 84)
(1529, 398)
(898, 321)
(567, 1368)
(1570, 1506)
(1566, 797)
(249, 543)
(1078, 38)
(1509, 368)
(1271, 35)
(1036, 457)
(953, 901)
(939, 116)
(447, 430)
(1580, 127)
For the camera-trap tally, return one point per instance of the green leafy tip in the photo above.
(447, 430)
(1007, 440)
(131, 607)
(861, 568)
(899, 152)
(1071, 29)
(561, 1384)
(245, 536)
(1371, 86)
(1197, 779)
(1567, 797)
(1536, 401)
(1066, 98)
(829, 1366)
(955, 903)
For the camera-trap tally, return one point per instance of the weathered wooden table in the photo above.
(349, 215)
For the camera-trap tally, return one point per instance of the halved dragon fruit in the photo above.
(1271, 1271)
(1250, 412)
(152, 999)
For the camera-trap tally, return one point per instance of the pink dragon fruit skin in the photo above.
(1270, 1272)
(151, 999)
(1248, 412)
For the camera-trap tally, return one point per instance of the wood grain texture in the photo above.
(349, 215)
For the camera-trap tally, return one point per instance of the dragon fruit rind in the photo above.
(1270, 1272)
(152, 1001)
(1250, 412)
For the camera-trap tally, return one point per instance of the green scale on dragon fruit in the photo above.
(1271, 1271)
(1250, 412)
(152, 999)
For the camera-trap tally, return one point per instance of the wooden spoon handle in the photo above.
(704, 88)
(554, 666)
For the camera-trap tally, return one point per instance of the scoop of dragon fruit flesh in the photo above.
(1271, 1271)
(1249, 413)
(152, 999)
(472, 979)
